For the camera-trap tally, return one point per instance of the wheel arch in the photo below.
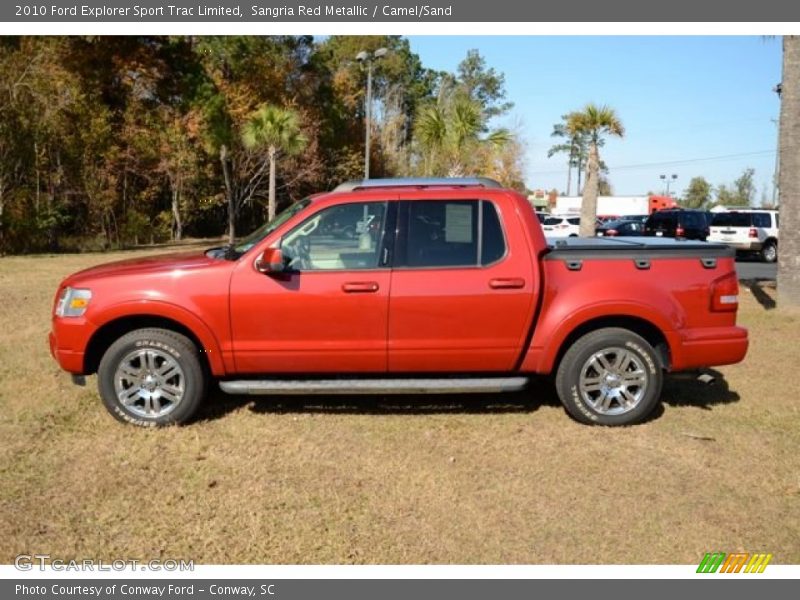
(650, 332)
(114, 328)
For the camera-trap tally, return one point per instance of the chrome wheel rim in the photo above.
(770, 253)
(613, 381)
(149, 383)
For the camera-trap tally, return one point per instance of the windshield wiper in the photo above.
(229, 252)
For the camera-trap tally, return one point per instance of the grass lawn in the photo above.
(504, 479)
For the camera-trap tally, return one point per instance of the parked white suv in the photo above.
(561, 226)
(747, 230)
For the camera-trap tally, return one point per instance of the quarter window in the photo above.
(761, 220)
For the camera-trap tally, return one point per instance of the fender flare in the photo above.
(554, 340)
(173, 312)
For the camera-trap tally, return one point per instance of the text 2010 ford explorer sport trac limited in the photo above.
(401, 286)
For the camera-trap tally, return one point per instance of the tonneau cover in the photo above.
(633, 247)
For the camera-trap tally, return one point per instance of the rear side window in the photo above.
(459, 233)
(693, 221)
(731, 219)
(660, 219)
(493, 244)
(761, 219)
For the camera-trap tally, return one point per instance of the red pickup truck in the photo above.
(401, 286)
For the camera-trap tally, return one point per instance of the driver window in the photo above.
(342, 237)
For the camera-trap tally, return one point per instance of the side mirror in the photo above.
(271, 261)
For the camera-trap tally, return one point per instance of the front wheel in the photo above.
(610, 377)
(151, 378)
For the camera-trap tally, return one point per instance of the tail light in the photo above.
(679, 231)
(753, 233)
(612, 232)
(725, 294)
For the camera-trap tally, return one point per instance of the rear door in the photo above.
(661, 224)
(694, 225)
(462, 288)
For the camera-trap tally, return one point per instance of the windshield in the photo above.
(259, 234)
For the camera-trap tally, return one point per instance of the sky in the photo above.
(691, 105)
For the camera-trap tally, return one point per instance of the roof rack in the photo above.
(349, 186)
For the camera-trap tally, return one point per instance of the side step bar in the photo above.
(374, 386)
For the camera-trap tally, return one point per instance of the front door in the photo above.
(329, 311)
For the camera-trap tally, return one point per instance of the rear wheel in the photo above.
(769, 252)
(610, 377)
(152, 377)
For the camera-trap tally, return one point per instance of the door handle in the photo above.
(507, 283)
(360, 287)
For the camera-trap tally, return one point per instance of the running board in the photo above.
(375, 386)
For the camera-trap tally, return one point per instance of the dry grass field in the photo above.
(506, 479)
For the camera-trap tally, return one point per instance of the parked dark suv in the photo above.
(678, 223)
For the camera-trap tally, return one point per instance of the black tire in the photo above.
(769, 251)
(164, 348)
(580, 402)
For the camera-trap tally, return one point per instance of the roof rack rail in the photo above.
(349, 186)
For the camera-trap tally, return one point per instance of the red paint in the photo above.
(474, 319)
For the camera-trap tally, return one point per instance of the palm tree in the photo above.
(450, 133)
(789, 175)
(594, 122)
(278, 130)
(574, 147)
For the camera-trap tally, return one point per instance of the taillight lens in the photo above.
(725, 293)
(679, 231)
(612, 232)
(753, 233)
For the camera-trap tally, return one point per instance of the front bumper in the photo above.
(708, 347)
(68, 339)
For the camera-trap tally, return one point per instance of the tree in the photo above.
(594, 122)
(789, 176)
(574, 147)
(277, 130)
(451, 138)
(604, 186)
(740, 193)
(485, 86)
(745, 188)
(400, 85)
(698, 194)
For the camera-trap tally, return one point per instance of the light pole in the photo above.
(668, 180)
(778, 89)
(368, 58)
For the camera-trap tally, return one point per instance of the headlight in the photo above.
(73, 302)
